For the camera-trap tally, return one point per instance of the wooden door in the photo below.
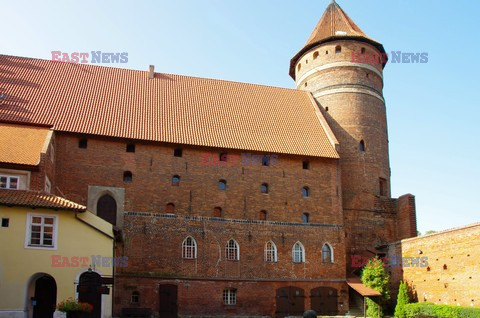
(324, 300)
(168, 301)
(45, 298)
(290, 301)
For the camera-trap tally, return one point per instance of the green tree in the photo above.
(376, 277)
(430, 232)
(402, 300)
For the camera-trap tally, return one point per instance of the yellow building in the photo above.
(52, 249)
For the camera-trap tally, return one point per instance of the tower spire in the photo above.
(334, 25)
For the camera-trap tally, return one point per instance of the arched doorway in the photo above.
(107, 208)
(324, 300)
(290, 301)
(44, 300)
(90, 291)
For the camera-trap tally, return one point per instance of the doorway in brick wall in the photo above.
(324, 300)
(168, 301)
(290, 301)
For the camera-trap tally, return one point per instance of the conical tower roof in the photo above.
(334, 24)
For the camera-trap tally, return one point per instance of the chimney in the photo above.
(151, 73)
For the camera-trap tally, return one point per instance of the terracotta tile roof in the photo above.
(38, 200)
(333, 25)
(21, 144)
(356, 283)
(169, 108)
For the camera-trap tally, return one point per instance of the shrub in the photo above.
(402, 300)
(429, 310)
(70, 305)
(376, 277)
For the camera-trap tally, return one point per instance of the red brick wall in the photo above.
(153, 166)
(204, 297)
(153, 245)
(407, 221)
(453, 266)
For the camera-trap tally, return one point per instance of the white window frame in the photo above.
(28, 232)
(298, 256)
(135, 294)
(271, 252)
(48, 185)
(331, 253)
(185, 249)
(9, 177)
(230, 296)
(235, 248)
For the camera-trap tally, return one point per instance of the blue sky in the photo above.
(432, 108)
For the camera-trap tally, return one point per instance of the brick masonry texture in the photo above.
(153, 166)
(204, 297)
(453, 266)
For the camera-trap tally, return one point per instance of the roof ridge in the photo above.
(137, 70)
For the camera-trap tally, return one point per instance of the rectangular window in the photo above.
(41, 231)
(306, 165)
(230, 296)
(9, 182)
(178, 152)
(48, 185)
(5, 222)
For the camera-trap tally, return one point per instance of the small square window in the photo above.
(266, 160)
(135, 297)
(178, 152)
(83, 143)
(175, 180)
(127, 177)
(5, 222)
(264, 188)
(306, 165)
(131, 148)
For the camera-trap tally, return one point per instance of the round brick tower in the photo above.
(337, 65)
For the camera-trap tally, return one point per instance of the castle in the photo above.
(227, 198)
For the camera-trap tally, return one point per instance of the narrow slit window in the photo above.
(362, 145)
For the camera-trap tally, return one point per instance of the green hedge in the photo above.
(429, 310)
